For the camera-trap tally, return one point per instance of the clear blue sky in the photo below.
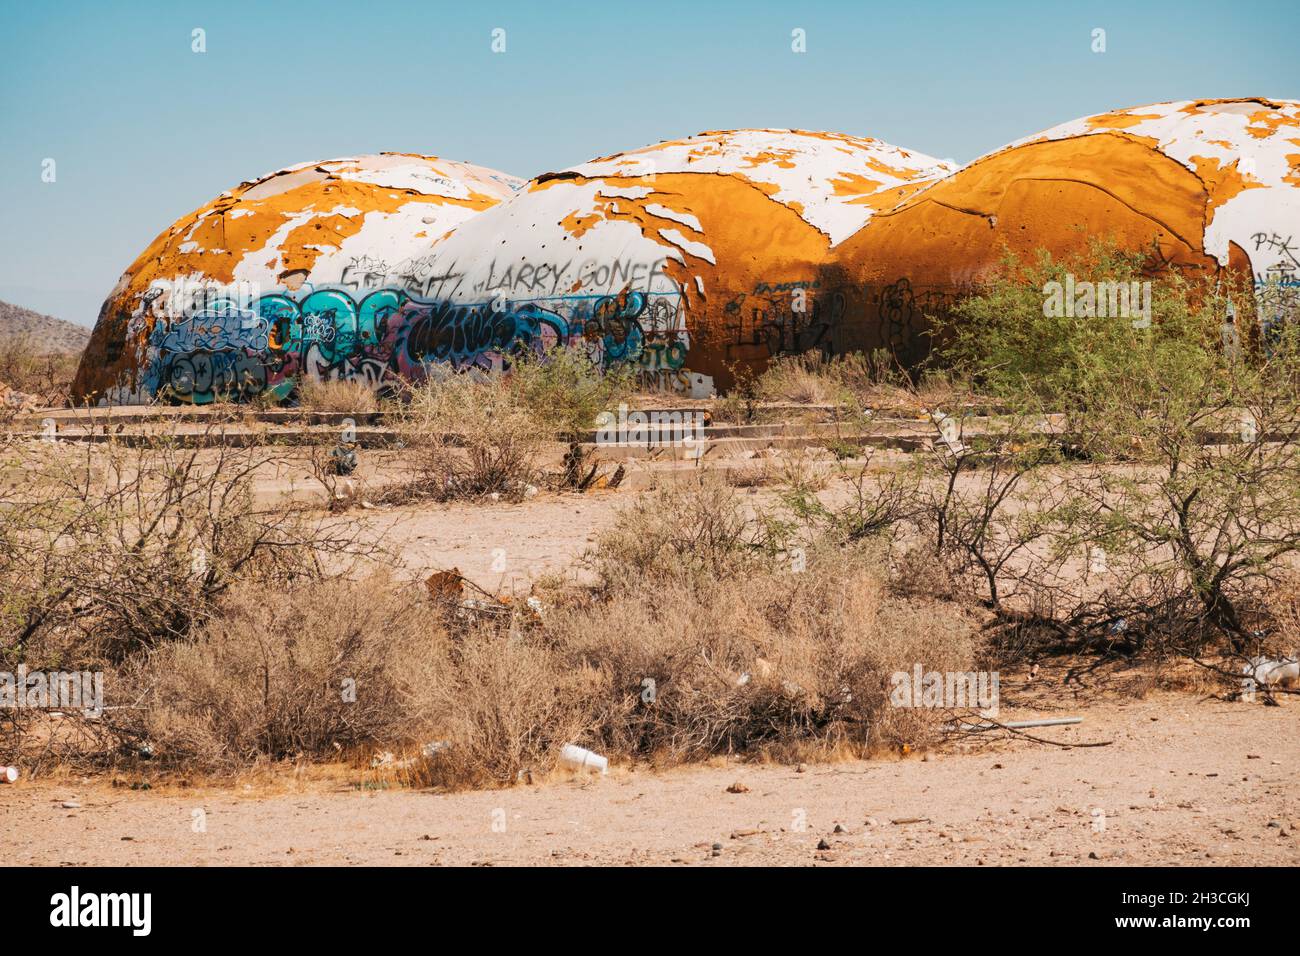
(143, 130)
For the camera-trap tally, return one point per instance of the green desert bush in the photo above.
(566, 391)
(1021, 340)
(1178, 459)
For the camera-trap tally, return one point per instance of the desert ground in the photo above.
(1183, 778)
(1163, 769)
(1185, 781)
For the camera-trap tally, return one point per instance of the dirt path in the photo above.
(1185, 782)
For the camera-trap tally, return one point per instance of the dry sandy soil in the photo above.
(1186, 781)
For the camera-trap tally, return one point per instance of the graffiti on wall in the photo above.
(1277, 277)
(238, 346)
(783, 318)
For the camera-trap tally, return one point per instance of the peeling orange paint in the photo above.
(1052, 194)
(1119, 120)
(1149, 182)
(577, 224)
(782, 158)
(1222, 182)
(851, 184)
(284, 223)
(1265, 123)
(1293, 177)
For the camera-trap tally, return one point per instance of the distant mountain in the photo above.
(45, 332)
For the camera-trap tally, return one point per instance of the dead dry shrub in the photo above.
(810, 379)
(692, 531)
(469, 437)
(106, 549)
(761, 661)
(337, 395)
(27, 368)
(918, 572)
(510, 706)
(804, 469)
(858, 380)
(1281, 611)
(319, 669)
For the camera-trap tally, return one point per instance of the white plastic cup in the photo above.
(579, 758)
(8, 774)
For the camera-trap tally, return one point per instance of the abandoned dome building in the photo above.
(691, 258)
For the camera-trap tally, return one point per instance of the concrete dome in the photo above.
(684, 257)
(1202, 185)
(287, 274)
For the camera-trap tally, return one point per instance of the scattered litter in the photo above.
(1018, 728)
(949, 432)
(343, 459)
(449, 587)
(479, 609)
(8, 774)
(1270, 671)
(386, 759)
(579, 758)
(1018, 724)
(738, 787)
